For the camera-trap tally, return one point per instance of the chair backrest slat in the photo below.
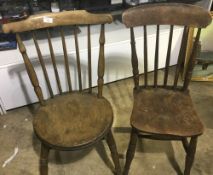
(145, 57)
(30, 70)
(134, 59)
(41, 60)
(101, 61)
(181, 56)
(185, 16)
(78, 58)
(89, 59)
(156, 57)
(66, 61)
(54, 61)
(168, 56)
(192, 61)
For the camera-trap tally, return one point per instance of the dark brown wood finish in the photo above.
(145, 57)
(156, 57)
(165, 112)
(181, 55)
(89, 59)
(134, 59)
(72, 120)
(168, 55)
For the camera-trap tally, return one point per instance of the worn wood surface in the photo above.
(164, 111)
(72, 120)
(167, 13)
(69, 120)
(30, 70)
(45, 20)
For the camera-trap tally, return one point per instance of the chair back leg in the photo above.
(131, 151)
(190, 155)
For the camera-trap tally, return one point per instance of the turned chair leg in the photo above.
(44, 159)
(130, 152)
(190, 155)
(112, 146)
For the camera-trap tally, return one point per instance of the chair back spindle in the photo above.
(101, 61)
(30, 70)
(41, 60)
(52, 54)
(66, 61)
(168, 56)
(192, 60)
(145, 57)
(156, 57)
(78, 58)
(134, 59)
(89, 58)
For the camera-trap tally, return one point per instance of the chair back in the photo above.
(47, 21)
(172, 14)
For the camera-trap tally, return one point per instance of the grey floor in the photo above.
(151, 158)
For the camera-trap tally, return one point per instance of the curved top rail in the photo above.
(39, 21)
(167, 13)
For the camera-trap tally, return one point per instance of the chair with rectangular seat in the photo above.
(164, 111)
(74, 119)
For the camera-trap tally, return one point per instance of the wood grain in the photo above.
(168, 13)
(64, 18)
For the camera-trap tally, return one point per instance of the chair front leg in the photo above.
(112, 146)
(190, 155)
(131, 151)
(44, 159)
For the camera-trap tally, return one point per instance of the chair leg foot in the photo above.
(112, 146)
(44, 159)
(130, 152)
(190, 155)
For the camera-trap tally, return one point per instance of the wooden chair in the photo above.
(76, 119)
(164, 111)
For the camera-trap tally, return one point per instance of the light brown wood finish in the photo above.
(72, 120)
(54, 62)
(30, 70)
(66, 61)
(165, 112)
(101, 62)
(78, 59)
(41, 60)
(40, 21)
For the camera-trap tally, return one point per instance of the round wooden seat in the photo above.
(73, 120)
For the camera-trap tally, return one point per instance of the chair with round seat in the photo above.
(70, 119)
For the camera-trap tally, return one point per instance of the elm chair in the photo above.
(164, 111)
(73, 119)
